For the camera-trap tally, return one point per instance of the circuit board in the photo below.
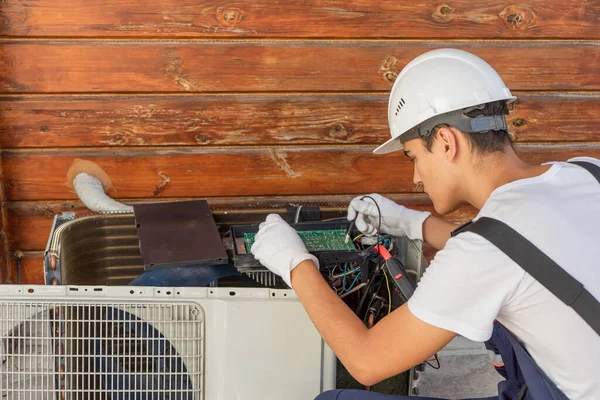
(315, 240)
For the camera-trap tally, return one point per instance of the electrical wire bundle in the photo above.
(345, 278)
(376, 273)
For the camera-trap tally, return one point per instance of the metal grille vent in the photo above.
(84, 350)
(266, 278)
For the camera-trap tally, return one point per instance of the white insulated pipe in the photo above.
(91, 193)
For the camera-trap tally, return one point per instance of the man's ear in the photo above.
(447, 137)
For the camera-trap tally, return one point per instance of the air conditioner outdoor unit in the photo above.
(87, 336)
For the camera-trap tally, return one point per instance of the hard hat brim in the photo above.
(392, 145)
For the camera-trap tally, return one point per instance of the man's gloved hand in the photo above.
(396, 220)
(279, 248)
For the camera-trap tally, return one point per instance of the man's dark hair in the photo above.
(482, 142)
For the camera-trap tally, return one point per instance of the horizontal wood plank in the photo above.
(31, 222)
(4, 246)
(192, 120)
(555, 118)
(313, 18)
(243, 171)
(100, 66)
(227, 120)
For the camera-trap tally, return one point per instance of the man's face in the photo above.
(434, 171)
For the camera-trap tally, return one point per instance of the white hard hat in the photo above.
(435, 84)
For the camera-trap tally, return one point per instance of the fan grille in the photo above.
(84, 350)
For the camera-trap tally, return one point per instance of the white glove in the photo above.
(279, 248)
(396, 220)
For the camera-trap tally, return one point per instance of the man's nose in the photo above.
(416, 177)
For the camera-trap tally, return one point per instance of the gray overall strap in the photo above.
(592, 168)
(537, 264)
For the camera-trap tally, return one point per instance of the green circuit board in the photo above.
(315, 240)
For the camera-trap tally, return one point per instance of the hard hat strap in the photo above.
(460, 121)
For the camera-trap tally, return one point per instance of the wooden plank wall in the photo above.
(259, 104)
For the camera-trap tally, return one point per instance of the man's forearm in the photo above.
(436, 231)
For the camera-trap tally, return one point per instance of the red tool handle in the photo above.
(383, 251)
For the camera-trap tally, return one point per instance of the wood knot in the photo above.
(519, 122)
(386, 69)
(445, 10)
(517, 17)
(11, 183)
(201, 139)
(443, 13)
(390, 76)
(44, 128)
(339, 131)
(389, 62)
(118, 139)
(229, 16)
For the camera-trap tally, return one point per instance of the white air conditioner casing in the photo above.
(236, 343)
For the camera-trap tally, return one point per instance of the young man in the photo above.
(447, 112)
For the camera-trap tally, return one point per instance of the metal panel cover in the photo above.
(177, 234)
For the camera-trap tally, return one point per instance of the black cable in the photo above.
(378, 213)
(19, 269)
(437, 360)
(379, 265)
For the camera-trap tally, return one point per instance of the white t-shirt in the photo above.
(470, 282)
